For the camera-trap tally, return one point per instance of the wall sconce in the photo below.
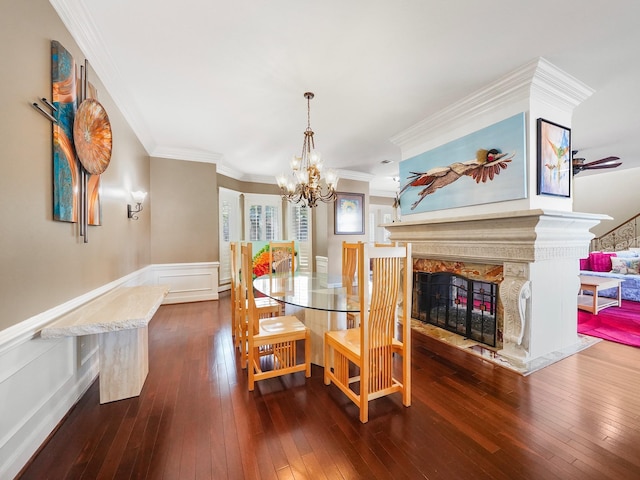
(137, 197)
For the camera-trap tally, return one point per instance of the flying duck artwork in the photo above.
(486, 165)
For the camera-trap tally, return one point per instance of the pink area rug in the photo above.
(616, 324)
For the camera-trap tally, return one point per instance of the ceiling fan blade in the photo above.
(591, 166)
(603, 160)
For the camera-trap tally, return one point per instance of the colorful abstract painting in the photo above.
(485, 166)
(554, 159)
(66, 168)
(66, 174)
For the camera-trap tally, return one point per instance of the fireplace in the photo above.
(458, 304)
(531, 256)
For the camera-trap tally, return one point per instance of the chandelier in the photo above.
(305, 184)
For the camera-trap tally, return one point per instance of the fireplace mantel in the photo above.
(540, 252)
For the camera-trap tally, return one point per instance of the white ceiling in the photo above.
(223, 81)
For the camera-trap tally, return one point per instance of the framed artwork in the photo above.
(484, 166)
(554, 159)
(349, 214)
(66, 167)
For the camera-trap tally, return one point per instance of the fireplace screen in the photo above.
(458, 304)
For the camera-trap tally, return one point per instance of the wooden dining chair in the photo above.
(349, 270)
(235, 289)
(265, 307)
(282, 257)
(272, 341)
(373, 346)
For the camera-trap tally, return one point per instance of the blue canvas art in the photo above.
(485, 166)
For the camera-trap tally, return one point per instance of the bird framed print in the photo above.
(554, 159)
(485, 166)
(349, 214)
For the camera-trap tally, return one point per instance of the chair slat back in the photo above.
(377, 328)
(281, 257)
(246, 290)
(235, 286)
(350, 252)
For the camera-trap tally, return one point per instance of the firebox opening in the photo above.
(458, 304)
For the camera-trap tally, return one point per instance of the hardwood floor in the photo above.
(195, 418)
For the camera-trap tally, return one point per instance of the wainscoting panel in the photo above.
(188, 282)
(50, 379)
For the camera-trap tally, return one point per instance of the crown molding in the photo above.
(353, 175)
(228, 171)
(77, 20)
(187, 155)
(536, 80)
(556, 87)
(382, 193)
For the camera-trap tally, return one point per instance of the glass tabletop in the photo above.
(317, 291)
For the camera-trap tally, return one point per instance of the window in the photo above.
(263, 217)
(229, 211)
(299, 229)
(299, 223)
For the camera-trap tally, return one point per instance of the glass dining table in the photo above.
(317, 299)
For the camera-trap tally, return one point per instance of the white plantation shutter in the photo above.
(229, 211)
(299, 229)
(263, 217)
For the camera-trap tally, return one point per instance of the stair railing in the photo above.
(622, 237)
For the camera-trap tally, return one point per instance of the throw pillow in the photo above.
(585, 264)
(627, 254)
(601, 261)
(625, 266)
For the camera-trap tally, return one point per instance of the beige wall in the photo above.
(44, 263)
(184, 217)
(334, 242)
(248, 187)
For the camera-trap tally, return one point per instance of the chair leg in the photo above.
(406, 378)
(251, 360)
(243, 350)
(364, 394)
(307, 353)
(327, 363)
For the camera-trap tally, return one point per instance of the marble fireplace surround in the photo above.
(539, 251)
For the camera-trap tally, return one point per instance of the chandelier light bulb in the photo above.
(295, 162)
(331, 178)
(314, 157)
(282, 180)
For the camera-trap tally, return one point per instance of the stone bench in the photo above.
(120, 318)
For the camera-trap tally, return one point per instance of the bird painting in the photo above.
(484, 167)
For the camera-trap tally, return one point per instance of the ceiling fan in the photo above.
(580, 164)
